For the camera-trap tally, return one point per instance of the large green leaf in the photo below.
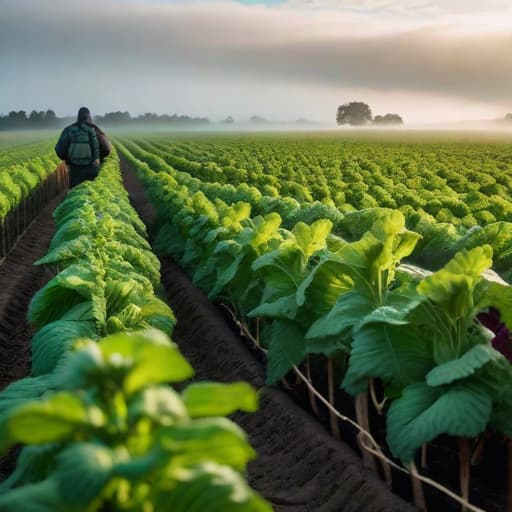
(83, 471)
(350, 308)
(210, 488)
(398, 304)
(52, 419)
(151, 356)
(265, 229)
(68, 252)
(158, 314)
(284, 308)
(161, 404)
(463, 366)
(33, 464)
(452, 287)
(226, 274)
(287, 347)
(26, 389)
(323, 285)
(282, 268)
(76, 284)
(235, 214)
(36, 497)
(54, 339)
(312, 238)
(83, 367)
(215, 399)
(422, 413)
(394, 353)
(207, 440)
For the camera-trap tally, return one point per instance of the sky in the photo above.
(430, 61)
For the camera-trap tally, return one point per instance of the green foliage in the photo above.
(101, 425)
(120, 429)
(22, 169)
(316, 292)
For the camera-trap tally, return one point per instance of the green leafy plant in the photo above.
(116, 436)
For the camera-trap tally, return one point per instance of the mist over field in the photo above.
(431, 62)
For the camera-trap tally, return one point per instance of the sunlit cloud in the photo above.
(211, 57)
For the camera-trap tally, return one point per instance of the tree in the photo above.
(228, 120)
(388, 119)
(355, 113)
(20, 116)
(50, 118)
(508, 118)
(35, 117)
(258, 120)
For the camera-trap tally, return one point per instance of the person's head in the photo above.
(84, 116)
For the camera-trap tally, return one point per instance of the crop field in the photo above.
(455, 194)
(359, 283)
(271, 227)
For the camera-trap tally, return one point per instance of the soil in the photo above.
(299, 467)
(19, 281)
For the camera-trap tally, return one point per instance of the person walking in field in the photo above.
(82, 145)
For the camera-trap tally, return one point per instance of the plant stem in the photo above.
(464, 469)
(364, 421)
(312, 398)
(335, 429)
(417, 489)
(424, 456)
(379, 406)
(476, 457)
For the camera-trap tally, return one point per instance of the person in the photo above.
(83, 146)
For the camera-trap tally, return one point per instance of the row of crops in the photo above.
(105, 419)
(11, 154)
(29, 178)
(415, 341)
(456, 195)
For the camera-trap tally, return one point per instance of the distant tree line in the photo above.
(508, 118)
(124, 118)
(19, 120)
(357, 113)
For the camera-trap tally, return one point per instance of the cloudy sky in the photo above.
(282, 59)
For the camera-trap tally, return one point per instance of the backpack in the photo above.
(80, 149)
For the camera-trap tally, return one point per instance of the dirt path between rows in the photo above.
(19, 281)
(300, 467)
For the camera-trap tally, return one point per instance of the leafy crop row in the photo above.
(18, 181)
(102, 428)
(19, 150)
(440, 240)
(313, 292)
(464, 184)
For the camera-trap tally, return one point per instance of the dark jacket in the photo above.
(101, 152)
(100, 149)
